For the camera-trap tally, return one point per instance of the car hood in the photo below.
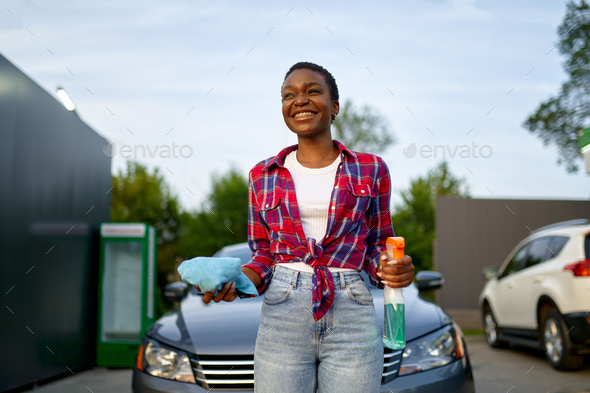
(232, 327)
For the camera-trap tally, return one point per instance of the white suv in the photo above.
(540, 296)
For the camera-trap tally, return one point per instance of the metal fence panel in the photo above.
(53, 176)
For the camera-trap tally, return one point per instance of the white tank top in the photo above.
(313, 187)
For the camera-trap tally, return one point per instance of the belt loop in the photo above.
(342, 283)
(294, 284)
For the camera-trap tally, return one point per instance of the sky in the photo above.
(206, 76)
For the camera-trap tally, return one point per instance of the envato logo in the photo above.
(165, 151)
(464, 151)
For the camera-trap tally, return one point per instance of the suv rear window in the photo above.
(557, 245)
(538, 251)
(544, 249)
(587, 246)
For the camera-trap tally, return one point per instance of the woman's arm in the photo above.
(380, 227)
(379, 224)
(252, 275)
(259, 269)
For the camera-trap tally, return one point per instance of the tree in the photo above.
(140, 196)
(413, 219)
(222, 220)
(362, 130)
(559, 119)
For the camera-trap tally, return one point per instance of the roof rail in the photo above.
(579, 221)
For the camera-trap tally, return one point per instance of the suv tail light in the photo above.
(579, 269)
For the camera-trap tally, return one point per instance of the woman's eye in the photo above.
(313, 90)
(287, 95)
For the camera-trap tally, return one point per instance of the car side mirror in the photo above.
(490, 272)
(429, 280)
(176, 291)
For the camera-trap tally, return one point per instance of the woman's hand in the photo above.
(226, 293)
(395, 273)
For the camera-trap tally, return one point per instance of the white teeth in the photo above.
(304, 114)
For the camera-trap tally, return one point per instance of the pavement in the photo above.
(521, 370)
(514, 370)
(95, 380)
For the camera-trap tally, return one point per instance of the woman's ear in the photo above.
(335, 107)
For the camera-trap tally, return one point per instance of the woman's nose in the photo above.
(301, 99)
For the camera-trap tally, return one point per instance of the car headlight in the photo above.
(162, 361)
(433, 350)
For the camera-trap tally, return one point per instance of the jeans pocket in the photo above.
(277, 292)
(359, 293)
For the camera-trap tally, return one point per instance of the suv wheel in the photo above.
(491, 328)
(557, 344)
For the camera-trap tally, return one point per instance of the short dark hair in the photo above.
(314, 67)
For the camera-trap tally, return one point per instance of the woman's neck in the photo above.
(316, 153)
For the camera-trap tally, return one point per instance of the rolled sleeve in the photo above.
(262, 260)
(380, 225)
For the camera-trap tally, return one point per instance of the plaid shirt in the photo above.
(358, 222)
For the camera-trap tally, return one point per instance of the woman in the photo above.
(318, 214)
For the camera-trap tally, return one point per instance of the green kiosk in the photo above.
(584, 145)
(126, 291)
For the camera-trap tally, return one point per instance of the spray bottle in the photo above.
(394, 326)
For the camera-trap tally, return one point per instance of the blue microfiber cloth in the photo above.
(211, 273)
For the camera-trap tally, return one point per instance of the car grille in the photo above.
(391, 363)
(224, 372)
(236, 372)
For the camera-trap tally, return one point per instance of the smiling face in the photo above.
(307, 104)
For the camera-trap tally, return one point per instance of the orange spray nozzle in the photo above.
(395, 245)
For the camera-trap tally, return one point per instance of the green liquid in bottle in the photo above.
(394, 326)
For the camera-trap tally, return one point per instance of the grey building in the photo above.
(54, 181)
(474, 233)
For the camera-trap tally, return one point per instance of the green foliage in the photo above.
(413, 219)
(473, 332)
(141, 196)
(558, 120)
(362, 130)
(222, 220)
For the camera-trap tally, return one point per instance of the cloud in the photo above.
(460, 10)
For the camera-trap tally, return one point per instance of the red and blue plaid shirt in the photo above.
(358, 222)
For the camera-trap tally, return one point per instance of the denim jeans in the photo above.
(342, 352)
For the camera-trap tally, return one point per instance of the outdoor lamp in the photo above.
(65, 99)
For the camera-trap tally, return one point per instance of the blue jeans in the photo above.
(342, 352)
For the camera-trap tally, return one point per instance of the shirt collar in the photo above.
(279, 159)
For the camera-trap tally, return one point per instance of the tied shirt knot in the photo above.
(323, 284)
